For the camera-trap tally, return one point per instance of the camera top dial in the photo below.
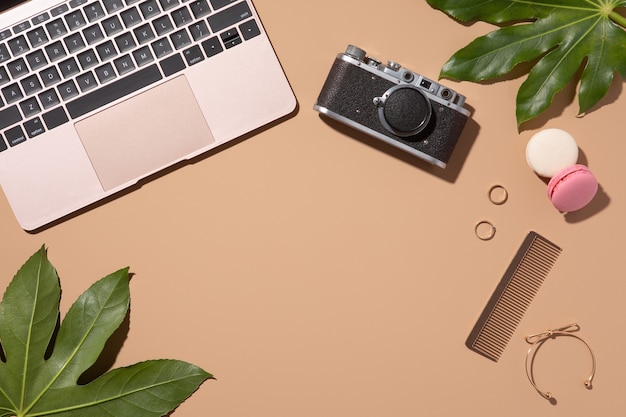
(404, 110)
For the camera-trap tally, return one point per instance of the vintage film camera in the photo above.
(394, 105)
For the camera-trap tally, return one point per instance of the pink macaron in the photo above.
(572, 188)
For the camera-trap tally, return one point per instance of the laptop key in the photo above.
(193, 55)
(149, 9)
(59, 10)
(112, 25)
(76, 3)
(88, 59)
(75, 20)
(125, 42)
(4, 53)
(69, 67)
(37, 37)
(106, 50)
(21, 27)
(169, 4)
(114, 91)
(113, 5)
(143, 56)
(15, 136)
(3, 145)
(228, 17)
(131, 17)
(49, 99)
(50, 76)
(200, 8)
(94, 12)
(199, 30)
(249, 29)
(144, 34)
(17, 68)
(212, 46)
(19, 45)
(105, 73)
(4, 76)
(218, 4)
(9, 116)
(34, 127)
(172, 65)
(56, 29)
(86, 81)
(74, 43)
(55, 51)
(231, 38)
(12, 93)
(67, 90)
(43, 17)
(181, 16)
(180, 39)
(161, 47)
(30, 107)
(124, 65)
(36, 59)
(163, 25)
(31, 84)
(55, 118)
(93, 34)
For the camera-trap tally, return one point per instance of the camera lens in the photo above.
(405, 111)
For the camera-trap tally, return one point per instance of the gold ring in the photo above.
(485, 230)
(498, 195)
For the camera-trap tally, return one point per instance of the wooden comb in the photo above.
(513, 295)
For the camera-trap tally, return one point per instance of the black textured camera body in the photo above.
(351, 93)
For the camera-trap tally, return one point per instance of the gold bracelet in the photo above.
(538, 339)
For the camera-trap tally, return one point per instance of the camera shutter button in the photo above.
(404, 111)
(356, 52)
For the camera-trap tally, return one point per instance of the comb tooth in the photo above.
(516, 290)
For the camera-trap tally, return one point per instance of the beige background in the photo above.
(316, 272)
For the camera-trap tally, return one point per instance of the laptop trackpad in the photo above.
(144, 134)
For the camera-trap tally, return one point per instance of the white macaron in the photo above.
(550, 150)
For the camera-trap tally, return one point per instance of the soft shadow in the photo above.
(53, 339)
(568, 95)
(454, 166)
(611, 96)
(109, 354)
(599, 203)
(561, 101)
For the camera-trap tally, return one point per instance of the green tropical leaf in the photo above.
(39, 372)
(557, 38)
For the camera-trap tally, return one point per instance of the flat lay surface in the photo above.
(316, 271)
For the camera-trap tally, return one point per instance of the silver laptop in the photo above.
(98, 94)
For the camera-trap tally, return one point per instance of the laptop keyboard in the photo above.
(84, 54)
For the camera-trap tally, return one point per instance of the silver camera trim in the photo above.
(396, 74)
(379, 135)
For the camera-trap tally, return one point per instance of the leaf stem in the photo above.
(618, 18)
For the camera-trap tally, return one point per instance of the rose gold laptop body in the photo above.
(205, 105)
